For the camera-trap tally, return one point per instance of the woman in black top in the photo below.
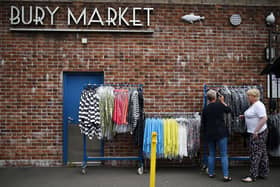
(216, 132)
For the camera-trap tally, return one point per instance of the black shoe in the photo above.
(262, 177)
(227, 179)
(212, 176)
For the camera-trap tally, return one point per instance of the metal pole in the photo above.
(84, 151)
(204, 96)
(270, 75)
(205, 158)
(277, 105)
(153, 160)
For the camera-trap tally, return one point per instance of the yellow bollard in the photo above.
(153, 160)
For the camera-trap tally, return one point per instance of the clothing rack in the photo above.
(87, 158)
(205, 89)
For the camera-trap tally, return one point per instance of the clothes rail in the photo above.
(205, 89)
(87, 158)
(231, 86)
(171, 114)
(120, 85)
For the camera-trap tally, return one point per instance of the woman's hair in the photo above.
(211, 95)
(254, 92)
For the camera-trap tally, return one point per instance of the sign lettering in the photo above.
(37, 15)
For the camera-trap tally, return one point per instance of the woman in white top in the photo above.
(255, 118)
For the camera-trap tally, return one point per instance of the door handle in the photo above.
(70, 120)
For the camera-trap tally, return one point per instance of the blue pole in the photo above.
(65, 125)
(84, 150)
(102, 147)
(205, 159)
(204, 95)
(65, 142)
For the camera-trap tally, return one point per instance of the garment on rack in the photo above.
(273, 141)
(171, 148)
(180, 137)
(89, 114)
(236, 98)
(153, 125)
(120, 106)
(193, 134)
(121, 110)
(240, 104)
(105, 111)
(134, 111)
(227, 116)
(140, 124)
(106, 105)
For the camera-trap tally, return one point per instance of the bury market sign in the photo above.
(87, 19)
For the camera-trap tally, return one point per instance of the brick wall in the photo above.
(173, 63)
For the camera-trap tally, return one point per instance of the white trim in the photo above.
(79, 30)
(269, 3)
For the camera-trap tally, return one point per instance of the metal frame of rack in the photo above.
(170, 114)
(273, 44)
(87, 158)
(205, 88)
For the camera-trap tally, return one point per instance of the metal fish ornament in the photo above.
(192, 18)
(270, 19)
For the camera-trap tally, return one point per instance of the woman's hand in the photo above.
(222, 100)
(255, 135)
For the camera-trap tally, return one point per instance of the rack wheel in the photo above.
(84, 171)
(140, 170)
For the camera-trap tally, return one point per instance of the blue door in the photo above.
(73, 83)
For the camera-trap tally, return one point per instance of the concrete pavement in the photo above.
(125, 177)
